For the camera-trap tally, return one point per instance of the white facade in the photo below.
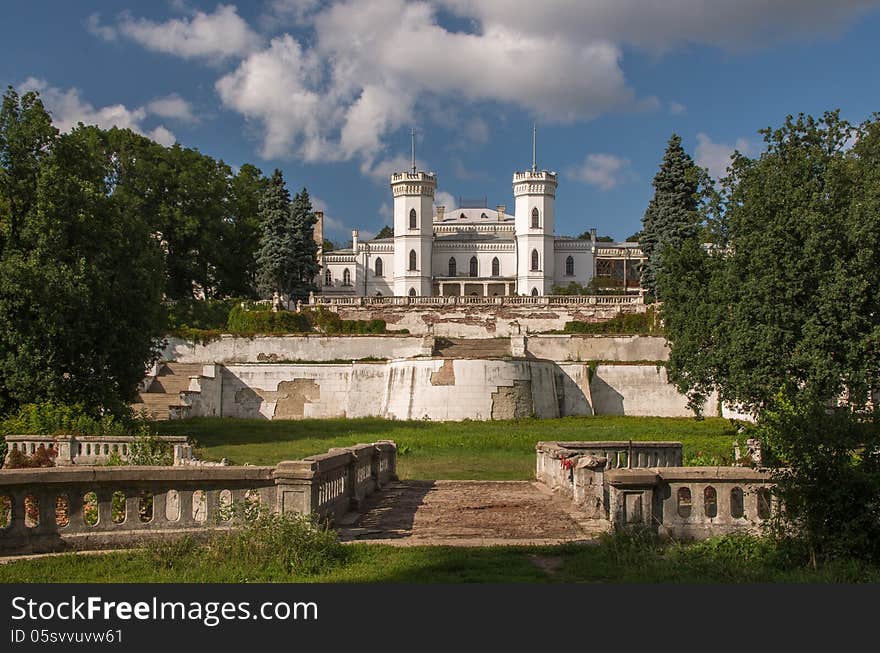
(464, 251)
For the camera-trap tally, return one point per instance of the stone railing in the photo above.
(690, 502)
(627, 484)
(457, 300)
(90, 449)
(73, 507)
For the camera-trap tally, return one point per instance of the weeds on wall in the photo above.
(622, 324)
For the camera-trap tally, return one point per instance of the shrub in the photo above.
(203, 314)
(61, 419)
(42, 457)
(622, 323)
(251, 322)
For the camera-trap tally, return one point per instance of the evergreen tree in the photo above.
(673, 214)
(276, 260)
(305, 264)
(385, 232)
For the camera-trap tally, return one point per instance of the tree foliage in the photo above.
(673, 215)
(305, 261)
(277, 256)
(782, 315)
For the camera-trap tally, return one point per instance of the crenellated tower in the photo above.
(413, 231)
(535, 194)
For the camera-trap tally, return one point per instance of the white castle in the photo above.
(472, 250)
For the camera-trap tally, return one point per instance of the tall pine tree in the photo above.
(276, 260)
(306, 249)
(673, 214)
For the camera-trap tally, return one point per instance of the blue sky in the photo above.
(328, 91)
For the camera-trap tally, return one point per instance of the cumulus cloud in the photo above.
(68, 108)
(217, 35)
(96, 28)
(174, 107)
(444, 199)
(603, 170)
(661, 25)
(716, 156)
(676, 108)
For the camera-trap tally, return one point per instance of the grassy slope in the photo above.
(501, 450)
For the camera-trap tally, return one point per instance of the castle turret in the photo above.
(413, 231)
(535, 193)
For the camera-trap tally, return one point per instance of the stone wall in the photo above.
(477, 321)
(564, 347)
(273, 349)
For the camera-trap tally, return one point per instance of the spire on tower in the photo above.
(412, 136)
(534, 147)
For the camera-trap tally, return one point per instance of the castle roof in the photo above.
(472, 216)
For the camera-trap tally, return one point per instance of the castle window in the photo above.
(737, 503)
(453, 269)
(473, 268)
(346, 277)
(412, 219)
(763, 503)
(379, 270)
(412, 292)
(534, 292)
(569, 266)
(328, 277)
(462, 216)
(496, 267)
(535, 259)
(536, 218)
(412, 259)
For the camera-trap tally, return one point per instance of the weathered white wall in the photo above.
(269, 349)
(597, 348)
(639, 390)
(441, 389)
(482, 321)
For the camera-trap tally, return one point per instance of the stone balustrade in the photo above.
(91, 450)
(72, 507)
(467, 300)
(626, 484)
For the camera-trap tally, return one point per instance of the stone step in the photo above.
(472, 348)
(164, 391)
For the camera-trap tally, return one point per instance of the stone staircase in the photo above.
(163, 392)
(472, 348)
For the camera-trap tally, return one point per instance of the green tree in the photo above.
(673, 214)
(237, 265)
(80, 300)
(385, 232)
(782, 318)
(305, 266)
(277, 256)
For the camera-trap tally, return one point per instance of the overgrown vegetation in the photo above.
(621, 324)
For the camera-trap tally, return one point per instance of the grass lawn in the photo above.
(499, 450)
(606, 562)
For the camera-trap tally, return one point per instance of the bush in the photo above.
(252, 322)
(202, 314)
(59, 419)
(42, 457)
(622, 323)
(290, 543)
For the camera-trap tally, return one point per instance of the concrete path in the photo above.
(466, 513)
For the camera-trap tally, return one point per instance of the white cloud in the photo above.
(68, 108)
(287, 12)
(217, 35)
(444, 199)
(660, 25)
(603, 170)
(174, 107)
(95, 28)
(676, 108)
(716, 156)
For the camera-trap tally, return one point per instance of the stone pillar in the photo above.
(295, 487)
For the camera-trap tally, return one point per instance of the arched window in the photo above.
(534, 259)
(346, 277)
(534, 292)
(496, 267)
(412, 259)
(737, 506)
(569, 266)
(328, 277)
(412, 292)
(473, 268)
(379, 270)
(412, 219)
(763, 503)
(684, 502)
(453, 269)
(710, 501)
(536, 218)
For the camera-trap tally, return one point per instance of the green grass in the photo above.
(496, 450)
(361, 563)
